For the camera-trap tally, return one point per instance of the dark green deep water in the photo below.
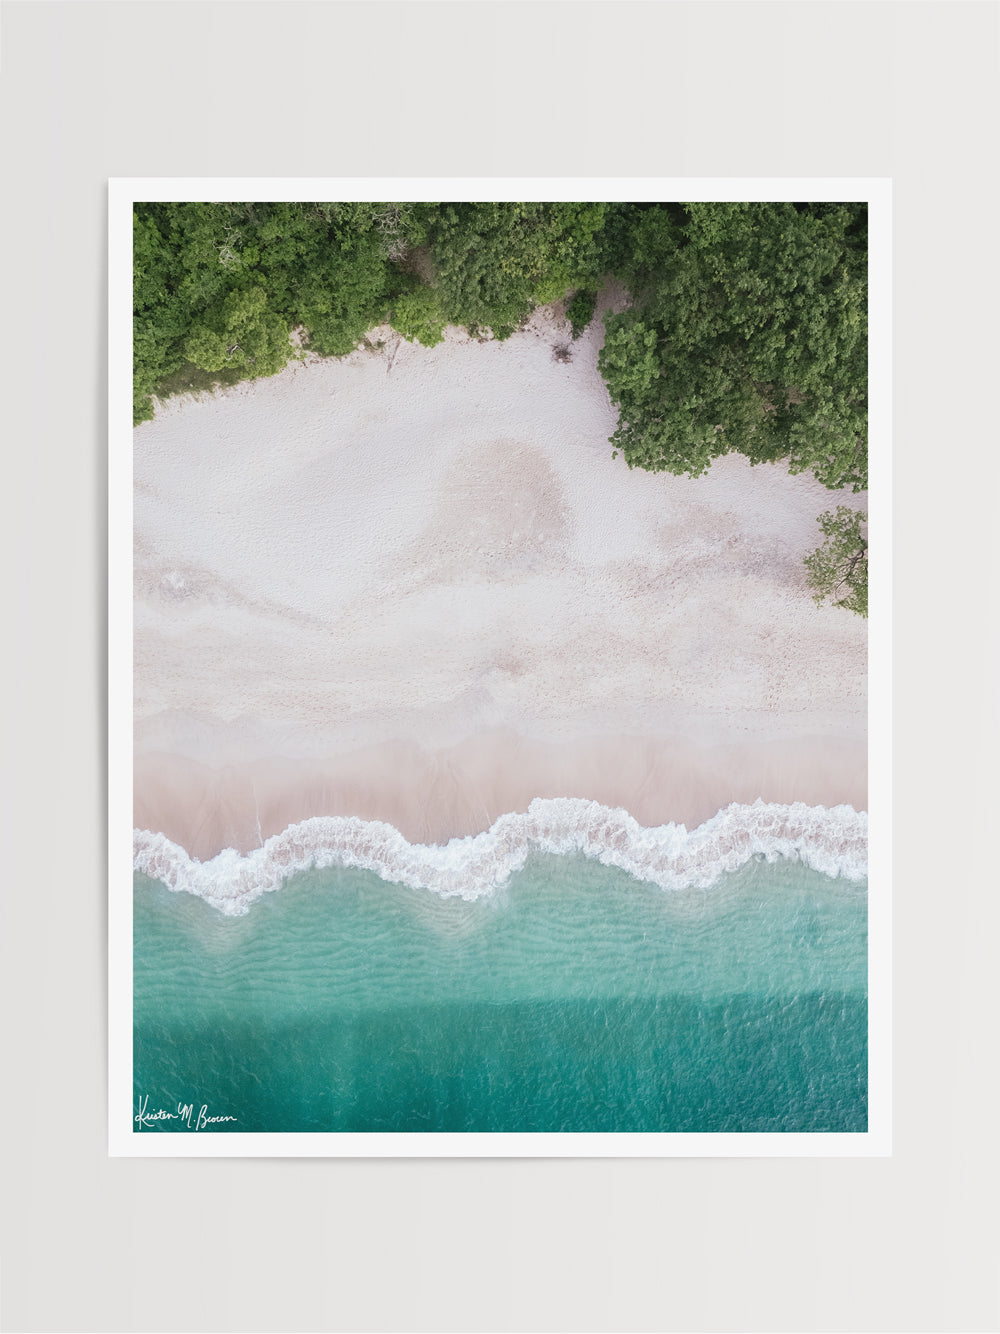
(578, 999)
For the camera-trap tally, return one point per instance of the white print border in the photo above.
(124, 1140)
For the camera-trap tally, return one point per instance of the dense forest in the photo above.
(746, 330)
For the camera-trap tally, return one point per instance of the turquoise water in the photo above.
(576, 999)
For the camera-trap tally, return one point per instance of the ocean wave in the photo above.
(832, 840)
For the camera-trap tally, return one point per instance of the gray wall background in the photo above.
(92, 90)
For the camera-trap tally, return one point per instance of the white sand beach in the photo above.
(413, 585)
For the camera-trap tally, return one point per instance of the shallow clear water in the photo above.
(576, 999)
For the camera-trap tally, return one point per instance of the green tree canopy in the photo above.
(242, 332)
(747, 334)
(493, 263)
(219, 287)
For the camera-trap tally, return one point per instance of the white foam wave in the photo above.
(832, 840)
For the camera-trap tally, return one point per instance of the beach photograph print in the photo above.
(499, 670)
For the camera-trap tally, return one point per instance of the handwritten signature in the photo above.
(185, 1114)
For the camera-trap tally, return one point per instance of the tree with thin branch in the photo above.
(838, 569)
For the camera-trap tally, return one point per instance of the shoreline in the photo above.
(431, 796)
(417, 588)
(833, 842)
